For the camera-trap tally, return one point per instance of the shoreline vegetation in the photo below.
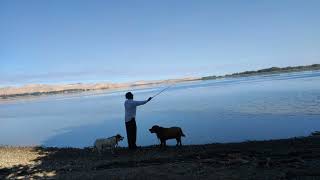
(34, 90)
(268, 71)
(293, 158)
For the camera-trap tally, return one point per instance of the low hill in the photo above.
(46, 89)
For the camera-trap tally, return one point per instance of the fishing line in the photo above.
(162, 90)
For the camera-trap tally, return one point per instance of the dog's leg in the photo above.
(102, 148)
(99, 149)
(178, 140)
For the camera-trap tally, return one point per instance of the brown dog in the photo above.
(167, 133)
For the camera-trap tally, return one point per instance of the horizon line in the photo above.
(168, 79)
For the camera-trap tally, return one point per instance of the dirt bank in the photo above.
(296, 158)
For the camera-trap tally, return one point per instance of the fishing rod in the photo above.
(162, 90)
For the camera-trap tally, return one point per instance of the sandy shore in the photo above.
(296, 158)
(34, 90)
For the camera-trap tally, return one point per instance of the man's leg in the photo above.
(134, 133)
(128, 129)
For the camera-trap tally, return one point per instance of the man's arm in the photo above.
(139, 103)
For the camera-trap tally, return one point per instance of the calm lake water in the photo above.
(226, 110)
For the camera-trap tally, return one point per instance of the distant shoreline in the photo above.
(267, 71)
(35, 90)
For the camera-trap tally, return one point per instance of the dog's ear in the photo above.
(119, 137)
(155, 129)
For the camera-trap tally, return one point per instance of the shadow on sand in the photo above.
(296, 158)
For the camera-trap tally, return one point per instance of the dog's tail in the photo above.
(182, 133)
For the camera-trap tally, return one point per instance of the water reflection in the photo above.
(276, 106)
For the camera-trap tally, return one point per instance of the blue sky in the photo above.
(61, 41)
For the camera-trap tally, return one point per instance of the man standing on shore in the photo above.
(130, 118)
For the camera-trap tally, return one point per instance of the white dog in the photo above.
(111, 143)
